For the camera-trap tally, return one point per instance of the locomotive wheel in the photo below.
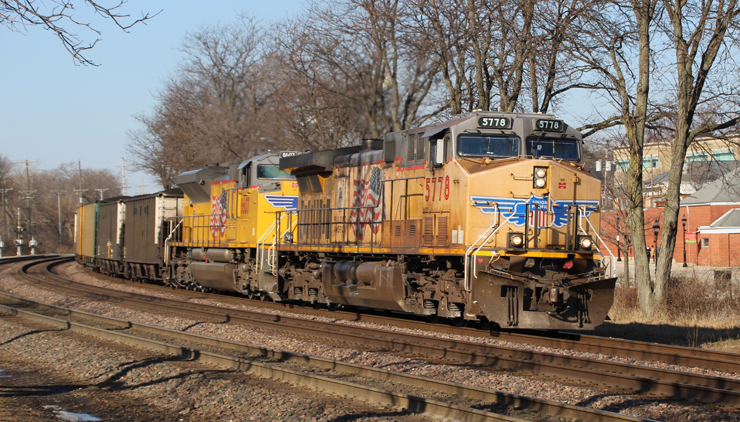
(433, 318)
(459, 322)
(485, 324)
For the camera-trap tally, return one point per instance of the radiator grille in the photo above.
(428, 238)
(442, 239)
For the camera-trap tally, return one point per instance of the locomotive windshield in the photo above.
(272, 171)
(488, 146)
(563, 149)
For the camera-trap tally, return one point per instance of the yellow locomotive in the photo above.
(487, 217)
(228, 230)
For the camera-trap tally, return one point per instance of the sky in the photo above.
(54, 112)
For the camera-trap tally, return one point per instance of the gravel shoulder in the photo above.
(114, 382)
(166, 394)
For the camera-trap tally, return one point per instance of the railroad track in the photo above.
(623, 377)
(673, 355)
(297, 368)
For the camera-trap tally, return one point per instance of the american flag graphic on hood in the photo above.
(219, 214)
(367, 201)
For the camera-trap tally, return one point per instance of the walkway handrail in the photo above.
(612, 268)
(167, 243)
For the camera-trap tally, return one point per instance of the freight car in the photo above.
(125, 236)
(488, 217)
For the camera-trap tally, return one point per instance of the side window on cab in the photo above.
(436, 153)
(245, 176)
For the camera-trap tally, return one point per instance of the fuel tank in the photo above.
(213, 254)
(214, 275)
(367, 284)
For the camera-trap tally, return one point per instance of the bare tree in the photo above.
(610, 43)
(358, 53)
(440, 28)
(213, 108)
(47, 209)
(698, 32)
(58, 15)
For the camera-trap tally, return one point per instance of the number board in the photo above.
(288, 153)
(495, 122)
(550, 125)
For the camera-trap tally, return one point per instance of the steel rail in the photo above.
(12, 259)
(675, 355)
(668, 383)
(411, 403)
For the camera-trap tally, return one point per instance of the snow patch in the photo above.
(69, 416)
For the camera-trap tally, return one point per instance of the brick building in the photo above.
(707, 159)
(711, 217)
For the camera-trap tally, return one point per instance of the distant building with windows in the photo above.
(707, 159)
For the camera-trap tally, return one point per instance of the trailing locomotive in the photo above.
(488, 217)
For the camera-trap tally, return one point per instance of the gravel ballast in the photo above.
(500, 380)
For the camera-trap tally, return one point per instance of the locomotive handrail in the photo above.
(263, 238)
(611, 267)
(167, 243)
(271, 249)
(475, 254)
(468, 281)
(403, 178)
(332, 223)
(467, 252)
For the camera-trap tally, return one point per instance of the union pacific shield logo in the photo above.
(550, 213)
(288, 202)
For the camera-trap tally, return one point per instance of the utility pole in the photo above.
(5, 219)
(59, 212)
(123, 177)
(18, 231)
(101, 192)
(80, 190)
(28, 192)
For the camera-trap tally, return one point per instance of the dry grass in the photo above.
(697, 313)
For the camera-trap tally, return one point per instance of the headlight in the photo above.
(516, 240)
(586, 242)
(540, 177)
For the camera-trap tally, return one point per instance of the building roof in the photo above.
(721, 191)
(658, 179)
(728, 223)
(730, 219)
